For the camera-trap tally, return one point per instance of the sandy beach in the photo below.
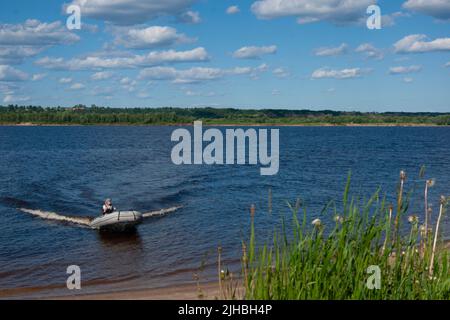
(207, 291)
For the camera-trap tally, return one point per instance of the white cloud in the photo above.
(370, 51)
(36, 33)
(8, 88)
(233, 10)
(281, 72)
(191, 93)
(191, 75)
(439, 9)
(124, 62)
(323, 73)
(192, 17)
(17, 54)
(38, 76)
(15, 99)
(128, 84)
(197, 74)
(416, 43)
(404, 70)
(8, 73)
(308, 11)
(65, 80)
(253, 52)
(25, 40)
(447, 64)
(327, 51)
(388, 20)
(102, 75)
(92, 28)
(150, 37)
(129, 12)
(127, 81)
(408, 79)
(77, 86)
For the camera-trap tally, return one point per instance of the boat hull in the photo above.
(117, 221)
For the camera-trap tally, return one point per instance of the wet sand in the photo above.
(207, 291)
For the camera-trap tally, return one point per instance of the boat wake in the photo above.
(161, 212)
(86, 221)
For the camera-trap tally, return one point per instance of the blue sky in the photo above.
(298, 54)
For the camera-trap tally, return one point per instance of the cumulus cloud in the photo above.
(191, 93)
(8, 87)
(370, 51)
(124, 62)
(281, 72)
(447, 65)
(13, 55)
(150, 37)
(196, 74)
(439, 9)
(25, 40)
(38, 76)
(77, 86)
(65, 80)
(233, 10)
(324, 73)
(129, 12)
(253, 52)
(331, 51)
(404, 69)
(15, 99)
(192, 17)
(8, 73)
(417, 43)
(102, 75)
(36, 33)
(308, 11)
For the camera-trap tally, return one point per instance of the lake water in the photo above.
(71, 170)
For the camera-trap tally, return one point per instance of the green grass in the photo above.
(331, 262)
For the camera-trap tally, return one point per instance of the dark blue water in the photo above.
(71, 170)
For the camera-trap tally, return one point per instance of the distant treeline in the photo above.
(81, 114)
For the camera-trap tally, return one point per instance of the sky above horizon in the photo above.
(296, 54)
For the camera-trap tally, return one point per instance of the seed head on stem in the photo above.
(316, 223)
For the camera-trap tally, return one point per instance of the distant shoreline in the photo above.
(104, 116)
(29, 124)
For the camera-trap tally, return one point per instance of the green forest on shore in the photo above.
(95, 115)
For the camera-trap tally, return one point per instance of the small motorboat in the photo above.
(117, 221)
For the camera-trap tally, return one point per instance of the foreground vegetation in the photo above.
(82, 115)
(340, 261)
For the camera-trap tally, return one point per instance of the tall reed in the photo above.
(326, 261)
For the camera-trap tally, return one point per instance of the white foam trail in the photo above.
(85, 221)
(160, 212)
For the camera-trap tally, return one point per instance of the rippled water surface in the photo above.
(71, 170)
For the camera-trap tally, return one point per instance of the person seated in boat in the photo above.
(108, 207)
